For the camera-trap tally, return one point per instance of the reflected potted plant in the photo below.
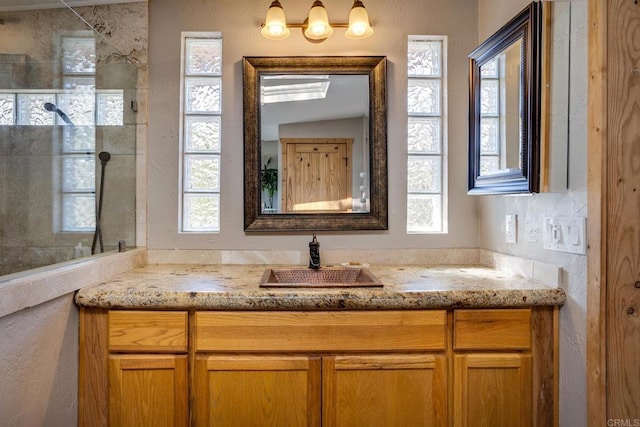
(269, 182)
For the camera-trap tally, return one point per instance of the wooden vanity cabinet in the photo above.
(321, 368)
(133, 368)
(342, 368)
(497, 355)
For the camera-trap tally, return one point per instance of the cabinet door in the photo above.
(247, 390)
(492, 390)
(148, 390)
(385, 390)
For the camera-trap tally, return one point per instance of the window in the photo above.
(74, 110)
(201, 137)
(496, 128)
(426, 135)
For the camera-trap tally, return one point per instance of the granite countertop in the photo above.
(236, 287)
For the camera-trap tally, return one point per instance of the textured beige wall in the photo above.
(39, 365)
(239, 22)
(531, 210)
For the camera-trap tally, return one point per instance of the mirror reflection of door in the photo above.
(316, 174)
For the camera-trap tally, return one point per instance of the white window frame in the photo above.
(184, 152)
(443, 155)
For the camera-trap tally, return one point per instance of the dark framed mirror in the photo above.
(505, 107)
(315, 143)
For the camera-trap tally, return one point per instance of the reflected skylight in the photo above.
(288, 88)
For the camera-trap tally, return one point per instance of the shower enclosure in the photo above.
(68, 94)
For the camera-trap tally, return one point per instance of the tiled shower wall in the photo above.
(29, 155)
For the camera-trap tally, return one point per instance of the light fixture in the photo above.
(275, 26)
(359, 26)
(316, 28)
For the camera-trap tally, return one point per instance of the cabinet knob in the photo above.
(637, 284)
(631, 310)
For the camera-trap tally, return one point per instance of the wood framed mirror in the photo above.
(315, 143)
(505, 92)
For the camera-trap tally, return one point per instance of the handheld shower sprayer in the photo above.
(104, 157)
(52, 107)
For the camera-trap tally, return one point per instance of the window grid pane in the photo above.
(489, 97)
(7, 109)
(78, 212)
(202, 173)
(424, 96)
(202, 213)
(78, 173)
(202, 95)
(204, 56)
(201, 136)
(424, 213)
(78, 55)
(110, 109)
(424, 58)
(424, 174)
(31, 110)
(425, 136)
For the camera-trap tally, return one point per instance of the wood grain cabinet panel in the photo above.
(320, 331)
(148, 390)
(254, 390)
(147, 331)
(492, 390)
(384, 390)
(492, 329)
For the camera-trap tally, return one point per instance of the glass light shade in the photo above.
(275, 24)
(359, 26)
(318, 22)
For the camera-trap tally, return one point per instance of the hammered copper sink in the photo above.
(325, 277)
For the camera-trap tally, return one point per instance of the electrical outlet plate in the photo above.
(565, 234)
(511, 228)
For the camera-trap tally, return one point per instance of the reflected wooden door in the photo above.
(316, 174)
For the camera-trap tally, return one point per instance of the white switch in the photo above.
(565, 234)
(556, 233)
(511, 228)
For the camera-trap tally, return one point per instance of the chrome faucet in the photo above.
(314, 253)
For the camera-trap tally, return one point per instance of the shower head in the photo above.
(52, 107)
(104, 157)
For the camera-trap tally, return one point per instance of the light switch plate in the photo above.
(565, 234)
(511, 228)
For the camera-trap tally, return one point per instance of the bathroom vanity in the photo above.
(204, 345)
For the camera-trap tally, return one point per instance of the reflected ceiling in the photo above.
(11, 5)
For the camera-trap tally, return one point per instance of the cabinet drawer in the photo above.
(148, 331)
(500, 329)
(320, 331)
